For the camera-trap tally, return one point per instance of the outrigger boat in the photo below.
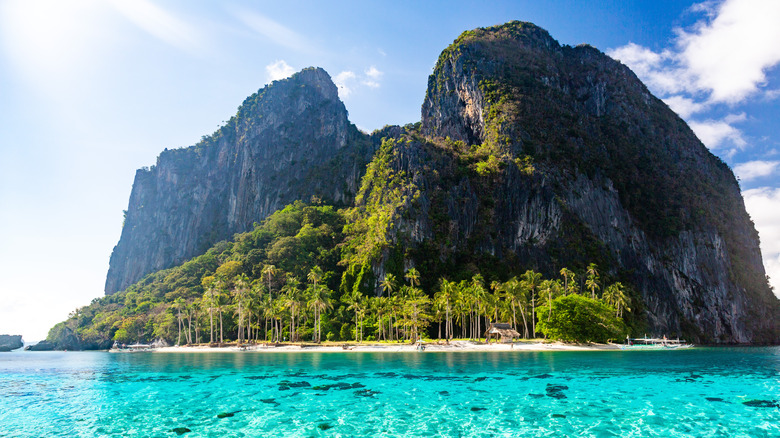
(654, 344)
(122, 348)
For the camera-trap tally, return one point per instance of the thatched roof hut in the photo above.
(504, 330)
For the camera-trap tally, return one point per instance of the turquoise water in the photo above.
(696, 392)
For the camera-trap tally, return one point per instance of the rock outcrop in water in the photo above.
(573, 160)
(289, 141)
(10, 342)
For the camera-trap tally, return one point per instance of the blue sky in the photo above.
(91, 90)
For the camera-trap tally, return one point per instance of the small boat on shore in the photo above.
(122, 348)
(654, 344)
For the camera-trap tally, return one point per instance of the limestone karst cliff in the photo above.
(289, 141)
(570, 159)
(529, 155)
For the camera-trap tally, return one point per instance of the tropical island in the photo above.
(544, 188)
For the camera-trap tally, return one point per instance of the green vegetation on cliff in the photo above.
(529, 157)
(307, 274)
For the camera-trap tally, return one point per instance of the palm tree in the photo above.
(210, 299)
(315, 275)
(354, 302)
(292, 301)
(444, 297)
(480, 294)
(240, 294)
(592, 283)
(568, 280)
(254, 301)
(269, 271)
(463, 305)
(550, 289)
(413, 275)
(220, 286)
(379, 305)
(615, 296)
(388, 284)
(437, 307)
(418, 304)
(189, 308)
(531, 281)
(178, 303)
(319, 301)
(518, 299)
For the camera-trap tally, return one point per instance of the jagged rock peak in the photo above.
(470, 73)
(315, 77)
(289, 141)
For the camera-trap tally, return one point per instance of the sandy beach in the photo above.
(454, 346)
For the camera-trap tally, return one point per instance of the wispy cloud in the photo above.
(372, 77)
(755, 169)
(272, 30)
(684, 106)
(718, 133)
(763, 205)
(278, 70)
(345, 81)
(348, 81)
(161, 24)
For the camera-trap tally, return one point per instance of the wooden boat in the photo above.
(654, 344)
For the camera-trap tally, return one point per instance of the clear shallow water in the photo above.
(697, 392)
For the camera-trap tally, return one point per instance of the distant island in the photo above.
(544, 188)
(10, 342)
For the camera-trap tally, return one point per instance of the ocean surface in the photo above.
(700, 392)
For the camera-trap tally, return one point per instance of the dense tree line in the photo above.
(284, 281)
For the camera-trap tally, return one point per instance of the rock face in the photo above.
(617, 179)
(289, 141)
(41, 346)
(530, 155)
(10, 342)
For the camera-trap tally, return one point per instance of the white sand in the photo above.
(453, 346)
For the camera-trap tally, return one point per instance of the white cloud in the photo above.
(348, 81)
(755, 169)
(272, 30)
(723, 58)
(655, 69)
(344, 81)
(372, 76)
(373, 73)
(763, 205)
(729, 55)
(278, 70)
(717, 133)
(161, 24)
(684, 106)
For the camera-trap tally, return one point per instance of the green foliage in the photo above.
(347, 332)
(383, 191)
(295, 239)
(576, 318)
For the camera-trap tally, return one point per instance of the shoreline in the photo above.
(454, 346)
